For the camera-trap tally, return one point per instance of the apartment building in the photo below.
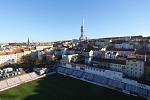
(8, 57)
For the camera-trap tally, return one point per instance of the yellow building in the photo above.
(41, 47)
(19, 54)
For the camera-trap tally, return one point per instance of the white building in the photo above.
(118, 65)
(124, 46)
(8, 58)
(40, 55)
(98, 53)
(130, 67)
(88, 54)
(134, 68)
(122, 52)
(111, 55)
(67, 58)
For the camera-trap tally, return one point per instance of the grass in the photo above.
(59, 87)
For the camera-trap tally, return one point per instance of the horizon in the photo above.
(70, 39)
(48, 21)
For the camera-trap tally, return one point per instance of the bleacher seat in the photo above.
(25, 77)
(149, 93)
(3, 84)
(88, 76)
(13, 81)
(33, 75)
(77, 73)
(69, 71)
(142, 91)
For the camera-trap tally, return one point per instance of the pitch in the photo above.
(59, 87)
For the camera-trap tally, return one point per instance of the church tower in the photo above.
(82, 37)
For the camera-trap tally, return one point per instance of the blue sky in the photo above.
(50, 20)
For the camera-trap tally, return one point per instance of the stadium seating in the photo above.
(25, 77)
(120, 85)
(13, 81)
(88, 76)
(77, 73)
(130, 86)
(149, 93)
(17, 80)
(69, 71)
(3, 84)
(103, 80)
(61, 69)
(33, 75)
(142, 91)
(66, 71)
(97, 78)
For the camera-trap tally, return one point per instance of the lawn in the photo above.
(59, 87)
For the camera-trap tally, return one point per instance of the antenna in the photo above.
(82, 21)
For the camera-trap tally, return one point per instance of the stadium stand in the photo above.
(69, 71)
(149, 93)
(77, 73)
(13, 81)
(117, 83)
(88, 76)
(25, 77)
(3, 84)
(100, 78)
(33, 75)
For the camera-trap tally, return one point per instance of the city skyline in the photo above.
(60, 20)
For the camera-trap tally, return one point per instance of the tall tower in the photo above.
(28, 43)
(82, 37)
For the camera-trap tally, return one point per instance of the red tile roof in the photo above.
(140, 52)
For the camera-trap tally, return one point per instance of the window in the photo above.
(140, 70)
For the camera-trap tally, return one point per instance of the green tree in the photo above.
(28, 60)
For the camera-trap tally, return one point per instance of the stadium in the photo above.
(60, 87)
(65, 84)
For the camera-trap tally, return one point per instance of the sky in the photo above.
(53, 20)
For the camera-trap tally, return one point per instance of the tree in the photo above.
(28, 60)
(80, 59)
